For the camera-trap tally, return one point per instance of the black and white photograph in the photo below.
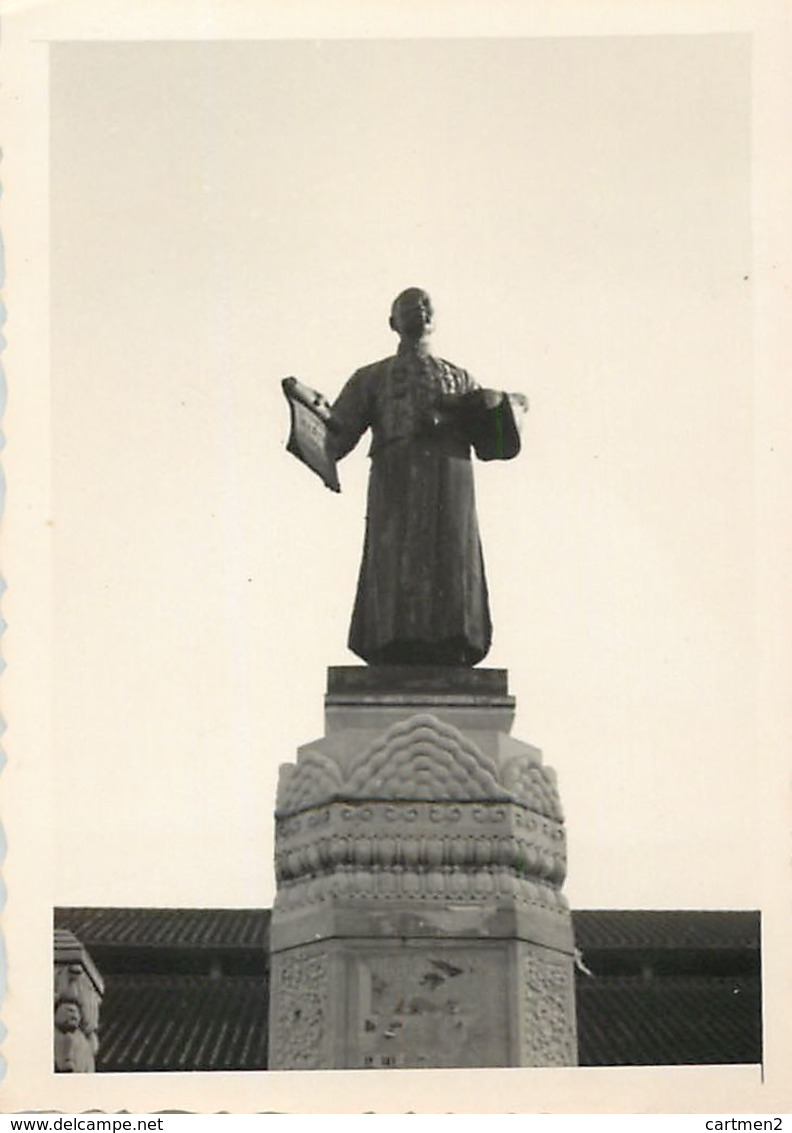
(397, 644)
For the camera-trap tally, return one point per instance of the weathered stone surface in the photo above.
(408, 1003)
(376, 714)
(429, 1006)
(371, 699)
(300, 1026)
(547, 987)
(358, 681)
(443, 917)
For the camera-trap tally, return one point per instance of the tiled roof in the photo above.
(178, 1022)
(168, 928)
(662, 929)
(696, 1020)
(249, 928)
(198, 1023)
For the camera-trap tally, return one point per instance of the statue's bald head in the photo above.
(412, 314)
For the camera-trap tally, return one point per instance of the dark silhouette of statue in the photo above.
(422, 592)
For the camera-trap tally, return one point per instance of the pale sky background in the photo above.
(224, 215)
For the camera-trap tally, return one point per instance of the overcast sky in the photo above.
(224, 215)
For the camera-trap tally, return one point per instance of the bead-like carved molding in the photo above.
(480, 887)
(404, 838)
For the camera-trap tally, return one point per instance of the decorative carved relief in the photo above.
(380, 852)
(78, 990)
(421, 758)
(482, 886)
(420, 837)
(300, 988)
(549, 1011)
(314, 779)
(421, 814)
(533, 784)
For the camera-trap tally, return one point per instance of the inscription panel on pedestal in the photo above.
(431, 1007)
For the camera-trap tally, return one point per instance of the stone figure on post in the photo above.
(78, 991)
(422, 592)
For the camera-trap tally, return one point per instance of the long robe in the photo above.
(422, 592)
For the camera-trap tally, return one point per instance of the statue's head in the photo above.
(68, 1016)
(412, 314)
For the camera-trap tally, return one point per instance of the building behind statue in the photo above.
(187, 989)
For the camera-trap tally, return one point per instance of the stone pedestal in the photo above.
(420, 853)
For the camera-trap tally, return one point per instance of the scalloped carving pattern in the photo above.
(316, 777)
(418, 759)
(424, 758)
(533, 784)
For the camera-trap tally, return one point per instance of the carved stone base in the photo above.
(362, 1002)
(420, 852)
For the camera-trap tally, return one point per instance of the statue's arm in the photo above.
(472, 399)
(487, 399)
(350, 414)
(492, 418)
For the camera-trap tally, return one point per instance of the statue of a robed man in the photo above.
(422, 592)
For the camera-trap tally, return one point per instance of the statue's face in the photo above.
(67, 1017)
(413, 314)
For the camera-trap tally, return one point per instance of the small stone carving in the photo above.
(78, 990)
(74, 1051)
